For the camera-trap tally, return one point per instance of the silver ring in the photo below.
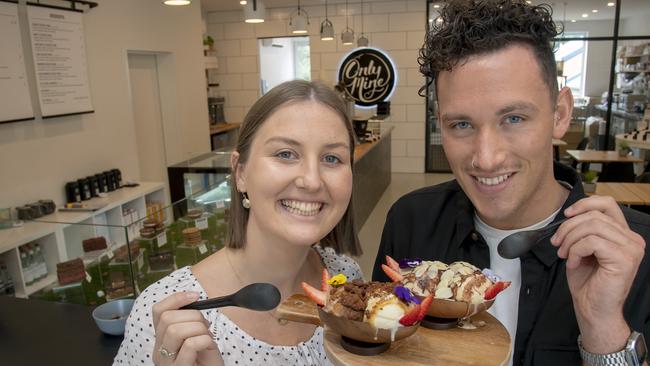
(165, 353)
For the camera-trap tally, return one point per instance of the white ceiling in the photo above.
(574, 8)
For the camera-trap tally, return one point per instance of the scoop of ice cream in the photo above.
(385, 312)
(460, 281)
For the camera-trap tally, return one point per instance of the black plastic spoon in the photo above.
(256, 296)
(517, 244)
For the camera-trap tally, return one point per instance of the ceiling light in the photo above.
(528, 2)
(347, 37)
(362, 41)
(299, 21)
(439, 20)
(242, 2)
(585, 15)
(611, 4)
(254, 12)
(436, 6)
(594, 10)
(177, 2)
(326, 28)
(573, 20)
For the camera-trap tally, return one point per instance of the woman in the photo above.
(291, 188)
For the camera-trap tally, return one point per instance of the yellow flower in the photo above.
(337, 280)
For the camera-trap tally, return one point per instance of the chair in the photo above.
(582, 145)
(643, 178)
(617, 172)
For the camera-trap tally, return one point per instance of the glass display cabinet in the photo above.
(204, 177)
(117, 253)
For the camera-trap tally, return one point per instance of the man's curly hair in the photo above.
(474, 27)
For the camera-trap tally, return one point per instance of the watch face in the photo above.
(640, 348)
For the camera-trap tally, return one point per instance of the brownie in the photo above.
(92, 244)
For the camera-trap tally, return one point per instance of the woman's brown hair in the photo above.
(343, 237)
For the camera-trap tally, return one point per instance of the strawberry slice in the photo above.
(392, 263)
(424, 306)
(412, 317)
(494, 290)
(394, 275)
(315, 294)
(325, 277)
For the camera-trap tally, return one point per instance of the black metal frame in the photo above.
(612, 76)
(72, 4)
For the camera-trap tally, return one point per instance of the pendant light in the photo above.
(254, 11)
(298, 21)
(326, 28)
(347, 37)
(177, 2)
(363, 40)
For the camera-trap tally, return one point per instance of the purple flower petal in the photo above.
(409, 263)
(405, 294)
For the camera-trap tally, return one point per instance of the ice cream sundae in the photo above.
(382, 305)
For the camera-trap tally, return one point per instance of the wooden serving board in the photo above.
(485, 346)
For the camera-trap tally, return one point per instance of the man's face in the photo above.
(497, 124)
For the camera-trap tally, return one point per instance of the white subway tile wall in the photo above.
(395, 26)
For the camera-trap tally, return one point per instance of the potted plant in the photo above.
(623, 148)
(208, 43)
(588, 179)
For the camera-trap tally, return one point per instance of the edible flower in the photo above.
(337, 280)
(405, 294)
(409, 263)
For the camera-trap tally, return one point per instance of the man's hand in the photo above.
(603, 256)
(183, 333)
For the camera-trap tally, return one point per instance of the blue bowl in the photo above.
(111, 316)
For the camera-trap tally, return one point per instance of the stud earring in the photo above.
(245, 201)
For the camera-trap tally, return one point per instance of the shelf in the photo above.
(61, 233)
(211, 62)
(39, 285)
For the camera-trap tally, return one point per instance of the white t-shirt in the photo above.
(506, 305)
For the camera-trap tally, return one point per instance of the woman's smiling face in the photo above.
(298, 175)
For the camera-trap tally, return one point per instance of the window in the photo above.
(572, 55)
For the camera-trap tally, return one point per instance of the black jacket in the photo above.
(436, 223)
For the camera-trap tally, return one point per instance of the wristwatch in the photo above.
(634, 353)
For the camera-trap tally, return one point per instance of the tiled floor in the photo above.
(370, 233)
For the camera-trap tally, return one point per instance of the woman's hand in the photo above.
(603, 256)
(182, 336)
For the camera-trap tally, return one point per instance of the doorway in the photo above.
(147, 116)
(283, 59)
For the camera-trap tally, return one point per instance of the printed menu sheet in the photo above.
(59, 52)
(15, 103)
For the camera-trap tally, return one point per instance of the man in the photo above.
(499, 108)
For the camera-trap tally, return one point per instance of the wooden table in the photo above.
(556, 148)
(626, 193)
(621, 192)
(489, 345)
(596, 156)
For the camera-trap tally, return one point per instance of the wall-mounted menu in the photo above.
(60, 61)
(15, 103)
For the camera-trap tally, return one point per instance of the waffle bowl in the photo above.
(446, 313)
(357, 337)
(368, 316)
